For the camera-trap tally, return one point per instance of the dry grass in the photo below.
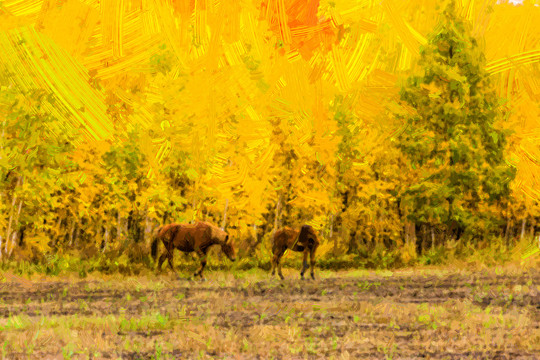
(439, 313)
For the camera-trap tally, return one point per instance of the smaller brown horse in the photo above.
(304, 240)
(198, 237)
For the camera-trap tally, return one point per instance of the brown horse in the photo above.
(196, 237)
(304, 240)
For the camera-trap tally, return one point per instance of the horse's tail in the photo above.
(155, 243)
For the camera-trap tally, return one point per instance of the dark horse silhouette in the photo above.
(304, 240)
(196, 237)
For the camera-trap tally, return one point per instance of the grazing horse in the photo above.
(196, 237)
(303, 240)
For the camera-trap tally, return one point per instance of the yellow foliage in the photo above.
(241, 86)
(40, 243)
(325, 248)
(408, 253)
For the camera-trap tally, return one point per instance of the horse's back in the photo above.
(194, 236)
(165, 230)
(284, 238)
(296, 240)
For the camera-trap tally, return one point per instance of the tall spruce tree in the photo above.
(451, 138)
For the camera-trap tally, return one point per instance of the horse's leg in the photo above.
(312, 261)
(161, 260)
(275, 251)
(304, 264)
(202, 255)
(170, 257)
(278, 262)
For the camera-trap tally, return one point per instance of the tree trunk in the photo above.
(376, 235)
(105, 240)
(256, 243)
(410, 236)
(422, 238)
(12, 211)
(353, 244)
(332, 234)
(278, 209)
(331, 225)
(125, 232)
(224, 222)
(58, 228)
(507, 232)
(425, 237)
(432, 238)
(17, 220)
(418, 238)
(166, 216)
(21, 238)
(524, 222)
(146, 235)
(71, 231)
(193, 204)
(118, 226)
(12, 244)
(76, 235)
(257, 238)
(412, 233)
(406, 231)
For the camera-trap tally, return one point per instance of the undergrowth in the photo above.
(378, 257)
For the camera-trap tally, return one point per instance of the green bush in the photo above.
(435, 256)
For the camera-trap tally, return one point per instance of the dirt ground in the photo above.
(408, 314)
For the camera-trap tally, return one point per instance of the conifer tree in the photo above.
(451, 138)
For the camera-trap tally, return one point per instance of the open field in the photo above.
(438, 313)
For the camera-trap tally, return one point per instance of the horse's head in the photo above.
(223, 239)
(228, 248)
(308, 236)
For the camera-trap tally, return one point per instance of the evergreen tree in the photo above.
(451, 138)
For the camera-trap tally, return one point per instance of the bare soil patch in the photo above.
(489, 314)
